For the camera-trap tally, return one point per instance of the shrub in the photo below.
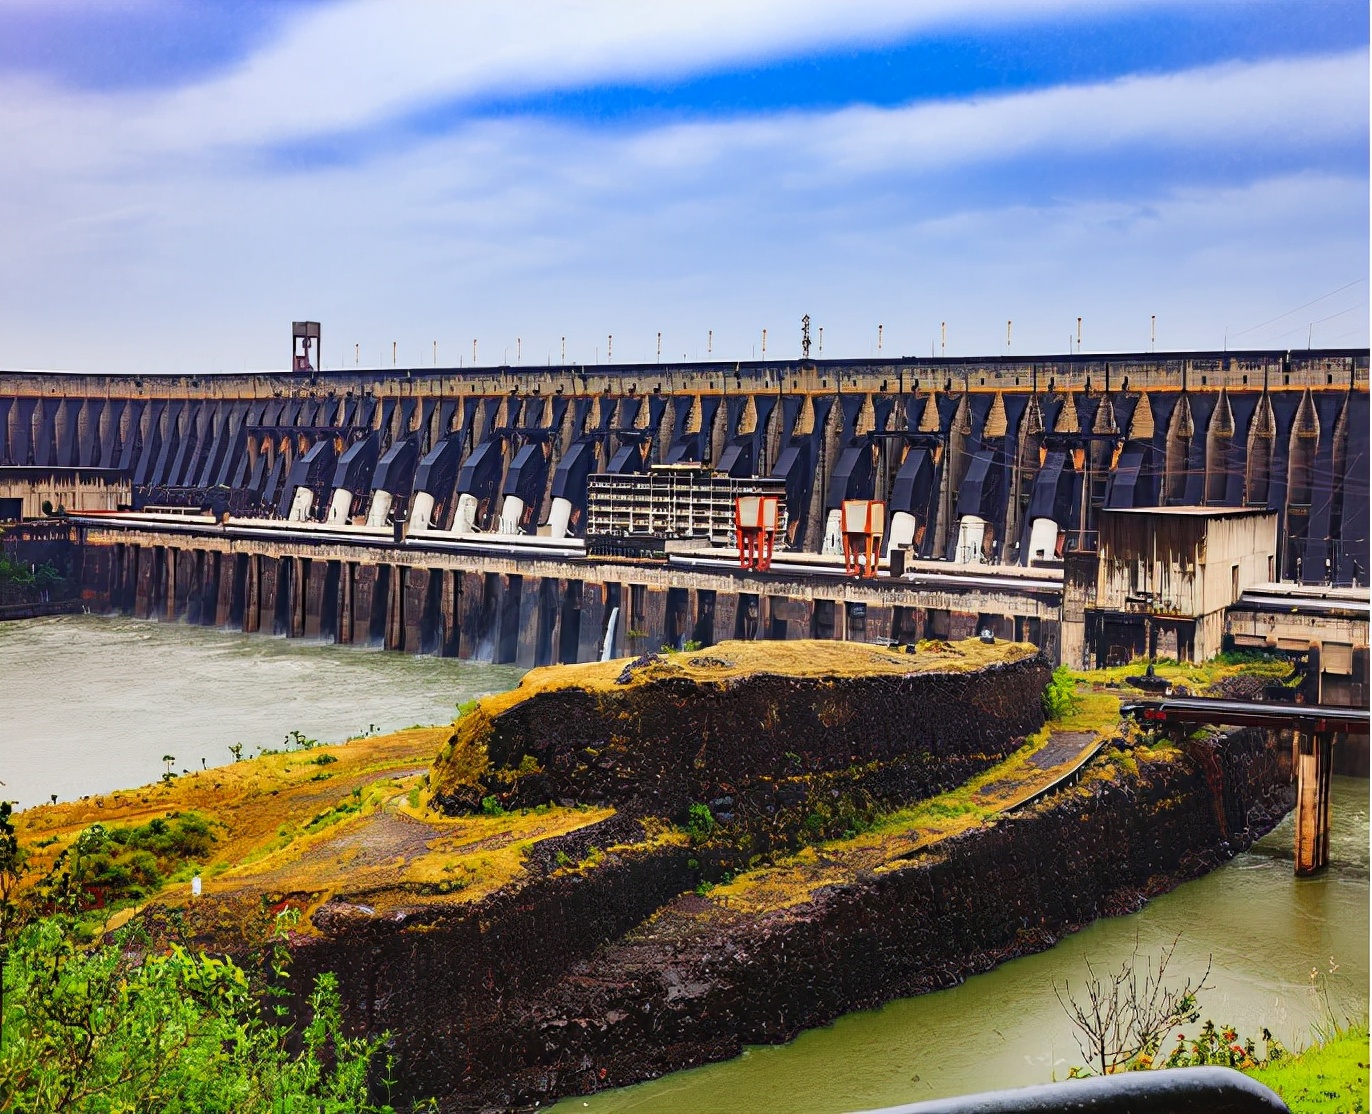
(1060, 698)
(700, 822)
(128, 1026)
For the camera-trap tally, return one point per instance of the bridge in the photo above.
(1316, 728)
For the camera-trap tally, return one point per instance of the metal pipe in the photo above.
(1209, 1090)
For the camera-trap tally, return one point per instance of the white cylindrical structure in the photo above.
(559, 518)
(902, 530)
(339, 506)
(1043, 539)
(510, 513)
(380, 508)
(301, 505)
(833, 533)
(971, 534)
(421, 512)
(464, 521)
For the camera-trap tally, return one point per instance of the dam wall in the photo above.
(974, 452)
(523, 610)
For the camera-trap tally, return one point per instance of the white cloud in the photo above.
(182, 254)
(363, 63)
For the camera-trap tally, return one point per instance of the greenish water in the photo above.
(1261, 930)
(92, 703)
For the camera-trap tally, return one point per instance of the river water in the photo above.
(89, 704)
(92, 703)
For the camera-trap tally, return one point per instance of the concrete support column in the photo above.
(312, 621)
(1314, 765)
(252, 595)
(530, 600)
(448, 601)
(343, 632)
(590, 638)
(470, 604)
(228, 575)
(168, 580)
(395, 609)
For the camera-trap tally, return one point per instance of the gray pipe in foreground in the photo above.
(1170, 1091)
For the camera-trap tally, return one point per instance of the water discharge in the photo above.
(91, 704)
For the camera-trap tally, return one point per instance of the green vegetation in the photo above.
(1329, 1078)
(136, 1022)
(126, 863)
(130, 1026)
(19, 577)
(700, 822)
(1124, 1018)
(1060, 698)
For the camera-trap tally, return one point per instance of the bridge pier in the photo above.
(1314, 767)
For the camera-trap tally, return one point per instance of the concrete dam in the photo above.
(538, 515)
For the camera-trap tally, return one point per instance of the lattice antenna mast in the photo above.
(805, 337)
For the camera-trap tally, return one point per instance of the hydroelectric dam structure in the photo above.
(536, 515)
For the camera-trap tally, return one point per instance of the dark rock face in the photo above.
(576, 983)
(777, 748)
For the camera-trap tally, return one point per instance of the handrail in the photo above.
(1210, 1090)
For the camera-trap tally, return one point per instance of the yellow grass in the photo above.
(728, 661)
(287, 824)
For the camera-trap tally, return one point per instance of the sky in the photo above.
(179, 181)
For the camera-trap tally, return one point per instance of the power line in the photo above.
(1307, 305)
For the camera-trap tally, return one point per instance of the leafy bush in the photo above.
(131, 862)
(700, 822)
(1060, 698)
(127, 1026)
(491, 806)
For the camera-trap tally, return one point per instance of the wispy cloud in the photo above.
(1208, 195)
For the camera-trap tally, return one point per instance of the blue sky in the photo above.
(181, 180)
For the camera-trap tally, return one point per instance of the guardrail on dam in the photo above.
(1001, 466)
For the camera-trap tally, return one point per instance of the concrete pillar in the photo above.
(364, 587)
(169, 597)
(414, 583)
(343, 632)
(1314, 765)
(655, 618)
(252, 594)
(449, 595)
(530, 609)
(470, 605)
(312, 624)
(589, 639)
(726, 616)
(395, 609)
(880, 619)
(300, 572)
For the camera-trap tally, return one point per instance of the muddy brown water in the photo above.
(89, 704)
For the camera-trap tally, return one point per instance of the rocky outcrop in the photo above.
(582, 979)
(697, 981)
(777, 751)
